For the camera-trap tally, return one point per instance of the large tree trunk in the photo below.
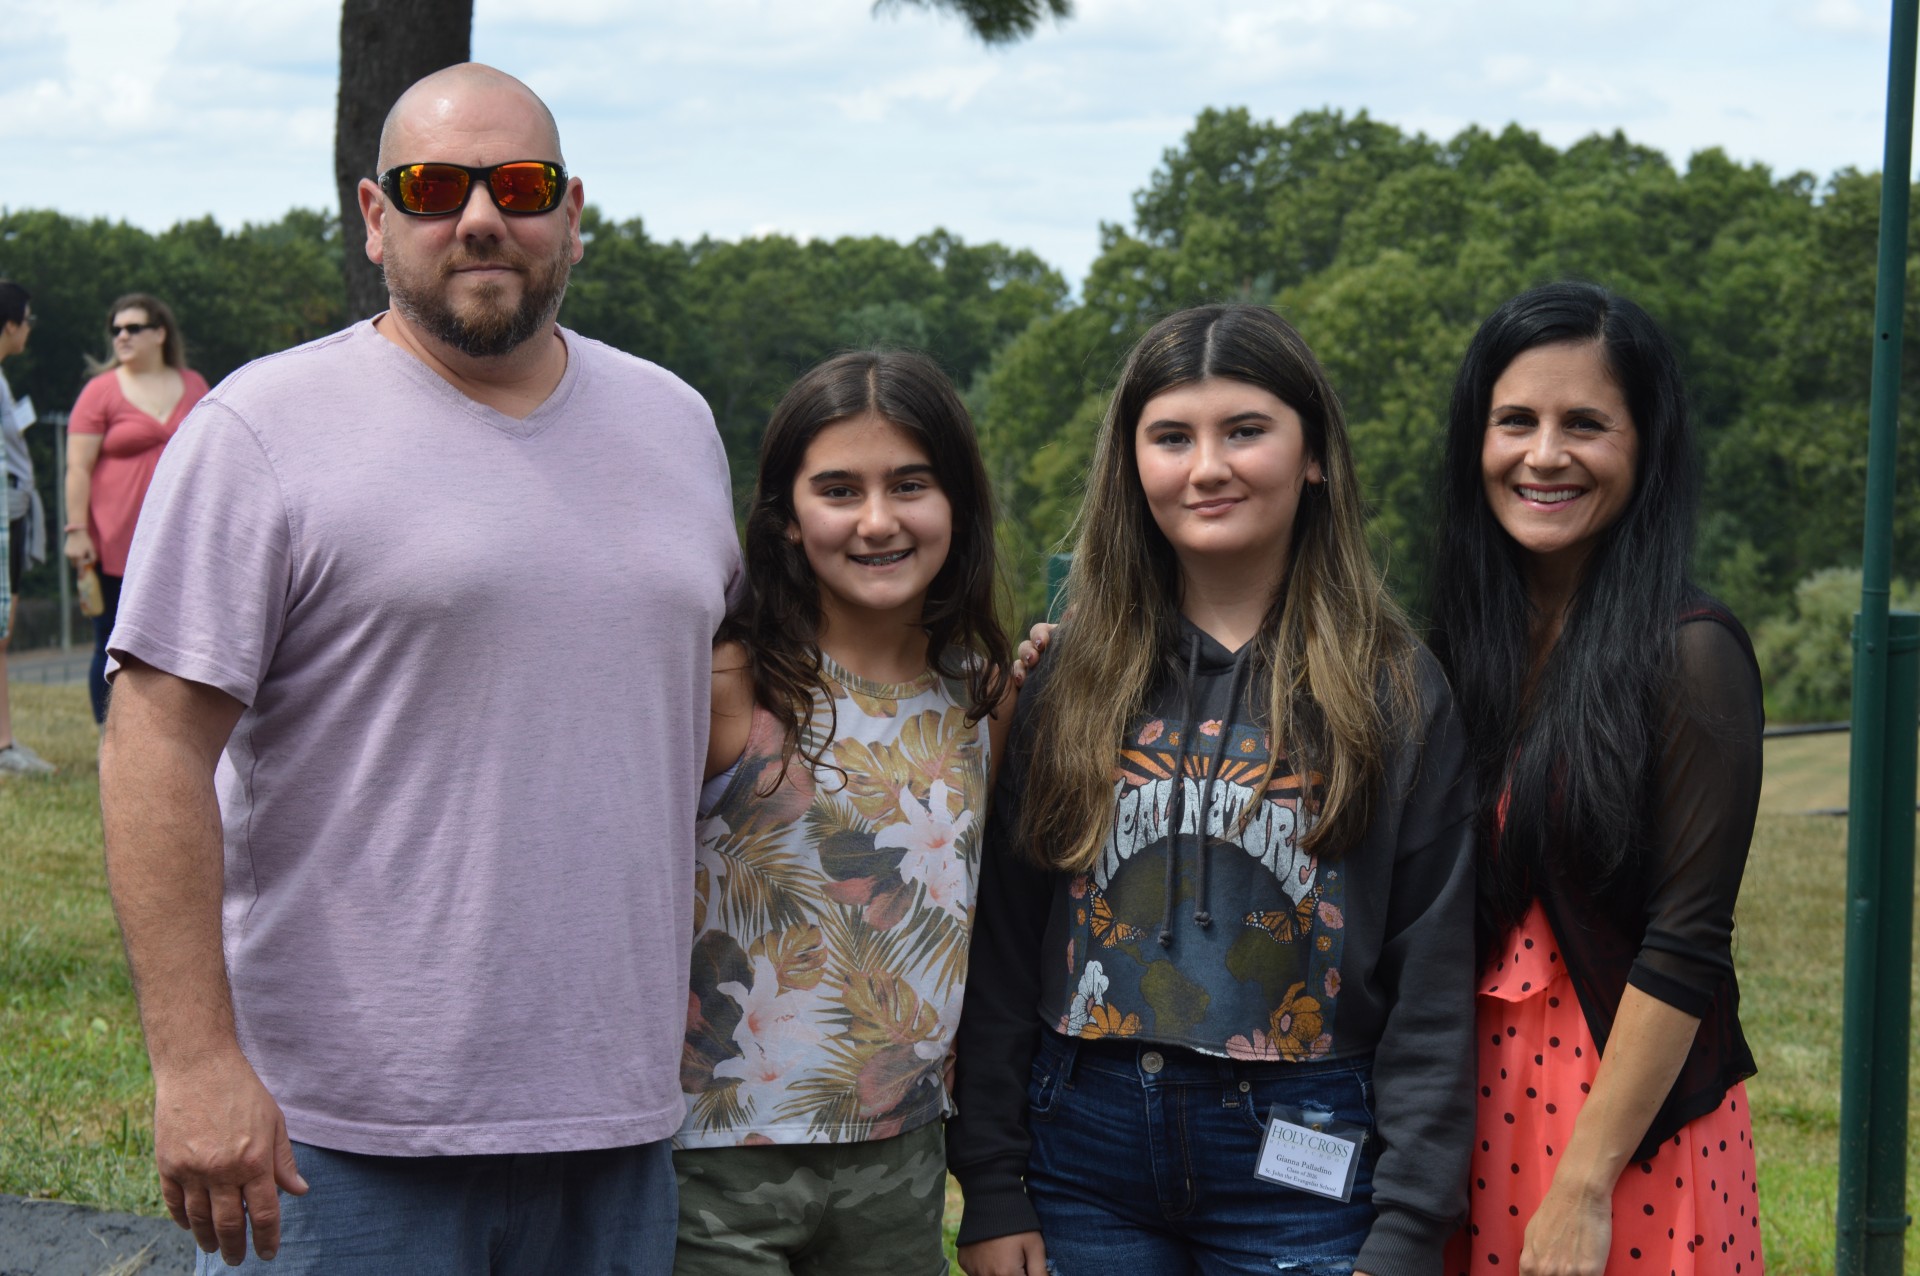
(385, 45)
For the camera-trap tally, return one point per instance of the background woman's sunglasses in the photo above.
(130, 329)
(523, 187)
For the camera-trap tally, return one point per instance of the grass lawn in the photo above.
(74, 1105)
(1805, 773)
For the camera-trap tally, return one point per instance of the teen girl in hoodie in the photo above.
(1227, 876)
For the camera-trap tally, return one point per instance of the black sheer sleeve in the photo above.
(1705, 789)
(999, 1030)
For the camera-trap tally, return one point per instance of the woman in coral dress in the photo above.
(122, 420)
(1614, 715)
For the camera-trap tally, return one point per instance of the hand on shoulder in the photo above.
(1031, 649)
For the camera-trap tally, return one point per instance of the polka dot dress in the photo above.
(1692, 1208)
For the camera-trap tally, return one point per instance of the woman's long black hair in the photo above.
(778, 615)
(1565, 768)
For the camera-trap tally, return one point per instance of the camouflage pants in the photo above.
(845, 1209)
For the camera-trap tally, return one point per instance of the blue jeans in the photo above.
(523, 1214)
(1143, 1160)
(102, 630)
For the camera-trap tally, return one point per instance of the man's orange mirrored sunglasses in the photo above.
(525, 187)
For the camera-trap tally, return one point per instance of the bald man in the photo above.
(410, 700)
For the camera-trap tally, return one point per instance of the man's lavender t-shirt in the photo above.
(475, 653)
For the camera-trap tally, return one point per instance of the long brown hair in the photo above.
(778, 616)
(173, 351)
(1335, 650)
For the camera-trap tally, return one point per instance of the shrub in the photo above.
(1806, 655)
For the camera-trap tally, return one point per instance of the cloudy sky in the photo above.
(824, 118)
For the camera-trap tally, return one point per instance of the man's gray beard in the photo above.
(493, 331)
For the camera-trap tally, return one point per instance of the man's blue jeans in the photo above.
(524, 1214)
(1143, 1159)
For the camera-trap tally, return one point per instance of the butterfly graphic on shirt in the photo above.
(1285, 925)
(1097, 914)
(1106, 928)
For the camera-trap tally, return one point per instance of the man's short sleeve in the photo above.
(207, 581)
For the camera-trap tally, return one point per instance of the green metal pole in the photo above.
(1058, 565)
(1867, 789)
(1887, 1219)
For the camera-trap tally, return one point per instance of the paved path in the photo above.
(52, 1238)
(49, 665)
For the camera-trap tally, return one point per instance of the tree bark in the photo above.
(385, 45)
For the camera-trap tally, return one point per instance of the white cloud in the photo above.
(1356, 15)
(1508, 70)
(950, 87)
(1584, 92)
(735, 117)
(116, 59)
(1845, 17)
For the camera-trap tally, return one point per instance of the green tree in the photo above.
(385, 45)
(1387, 250)
(1806, 654)
(993, 21)
(237, 295)
(740, 320)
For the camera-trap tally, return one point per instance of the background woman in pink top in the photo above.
(122, 420)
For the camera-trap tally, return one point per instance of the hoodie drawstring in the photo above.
(1177, 809)
(1201, 916)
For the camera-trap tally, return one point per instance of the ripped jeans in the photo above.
(1143, 1155)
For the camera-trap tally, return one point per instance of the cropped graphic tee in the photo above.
(1205, 923)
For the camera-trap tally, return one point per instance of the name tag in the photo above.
(1310, 1151)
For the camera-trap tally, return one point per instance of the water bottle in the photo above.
(92, 601)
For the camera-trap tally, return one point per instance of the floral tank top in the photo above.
(831, 921)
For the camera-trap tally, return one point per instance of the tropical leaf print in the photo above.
(831, 820)
(862, 873)
(891, 1041)
(872, 706)
(775, 1036)
(827, 1098)
(755, 883)
(890, 1074)
(799, 957)
(834, 1020)
(712, 1016)
(929, 839)
(936, 945)
(932, 745)
(718, 1107)
(884, 1009)
(858, 945)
